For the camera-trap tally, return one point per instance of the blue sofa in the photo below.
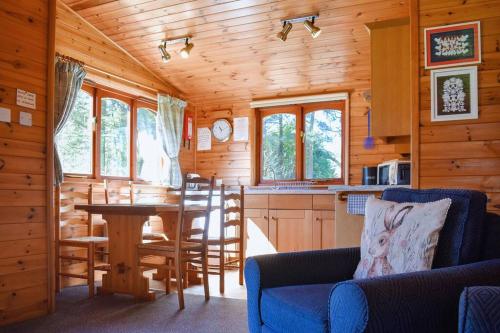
(314, 291)
(479, 310)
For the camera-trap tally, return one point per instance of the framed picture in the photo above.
(451, 45)
(454, 94)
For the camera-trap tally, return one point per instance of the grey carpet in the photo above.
(121, 314)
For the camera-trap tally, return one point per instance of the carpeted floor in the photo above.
(121, 314)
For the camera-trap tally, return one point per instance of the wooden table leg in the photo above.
(125, 276)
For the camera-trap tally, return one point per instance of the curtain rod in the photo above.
(66, 58)
(105, 73)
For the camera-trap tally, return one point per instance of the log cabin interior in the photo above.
(250, 166)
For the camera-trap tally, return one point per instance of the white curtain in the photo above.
(68, 81)
(169, 125)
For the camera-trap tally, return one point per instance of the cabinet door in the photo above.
(324, 228)
(291, 230)
(257, 227)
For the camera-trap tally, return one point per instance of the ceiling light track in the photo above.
(307, 20)
(184, 52)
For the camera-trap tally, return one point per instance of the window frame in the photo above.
(134, 103)
(301, 110)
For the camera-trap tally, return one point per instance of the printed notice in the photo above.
(240, 129)
(204, 139)
(26, 99)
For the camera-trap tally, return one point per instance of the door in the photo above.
(324, 229)
(291, 230)
(257, 227)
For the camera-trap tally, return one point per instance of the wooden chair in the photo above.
(181, 251)
(65, 216)
(137, 195)
(231, 233)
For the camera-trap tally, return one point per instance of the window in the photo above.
(115, 138)
(302, 142)
(111, 135)
(148, 152)
(74, 142)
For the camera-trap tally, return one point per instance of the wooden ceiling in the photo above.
(237, 56)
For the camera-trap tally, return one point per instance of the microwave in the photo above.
(395, 172)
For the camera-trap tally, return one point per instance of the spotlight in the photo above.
(313, 30)
(287, 26)
(165, 56)
(187, 49)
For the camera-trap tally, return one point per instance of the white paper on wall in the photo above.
(240, 126)
(26, 99)
(204, 139)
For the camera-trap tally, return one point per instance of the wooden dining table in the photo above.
(125, 222)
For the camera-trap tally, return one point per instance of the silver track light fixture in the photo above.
(184, 52)
(287, 26)
(186, 49)
(308, 22)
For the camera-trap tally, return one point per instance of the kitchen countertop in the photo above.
(332, 189)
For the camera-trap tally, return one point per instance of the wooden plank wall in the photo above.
(23, 229)
(464, 154)
(232, 161)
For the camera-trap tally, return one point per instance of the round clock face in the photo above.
(221, 129)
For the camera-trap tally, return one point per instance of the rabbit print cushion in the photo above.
(399, 237)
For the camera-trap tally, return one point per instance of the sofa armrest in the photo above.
(479, 310)
(413, 302)
(284, 269)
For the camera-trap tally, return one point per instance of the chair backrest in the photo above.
(460, 239)
(118, 192)
(232, 207)
(67, 196)
(202, 198)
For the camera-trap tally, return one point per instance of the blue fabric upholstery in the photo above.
(480, 310)
(287, 292)
(460, 239)
(413, 302)
(288, 269)
(491, 237)
(302, 308)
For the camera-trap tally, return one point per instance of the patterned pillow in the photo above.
(399, 237)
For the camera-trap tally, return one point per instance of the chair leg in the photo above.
(178, 282)
(205, 275)
(168, 276)
(90, 268)
(221, 269)
(241, 263)
(58, 271)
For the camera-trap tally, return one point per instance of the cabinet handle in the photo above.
(274, 218)
(318, 219)
(265, 217)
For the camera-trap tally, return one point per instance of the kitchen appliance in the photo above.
(369, 176)
(394, 172)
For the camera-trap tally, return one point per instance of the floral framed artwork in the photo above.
(451, 45)
(454, 94)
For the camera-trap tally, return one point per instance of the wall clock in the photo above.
(221, 130)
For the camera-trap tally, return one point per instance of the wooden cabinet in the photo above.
(390, 76)
(292, 230)
(325, 221)
(288, 223)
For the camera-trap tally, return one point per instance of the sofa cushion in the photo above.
(491, 237)
(460, 238)
(302, 308)
(399, 237)
(479, 310)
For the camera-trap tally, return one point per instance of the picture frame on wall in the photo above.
(452, 45)
(454, 94)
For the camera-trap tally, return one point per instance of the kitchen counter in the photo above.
(332, 189)
(363, 188)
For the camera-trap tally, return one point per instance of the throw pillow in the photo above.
(399, 237)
